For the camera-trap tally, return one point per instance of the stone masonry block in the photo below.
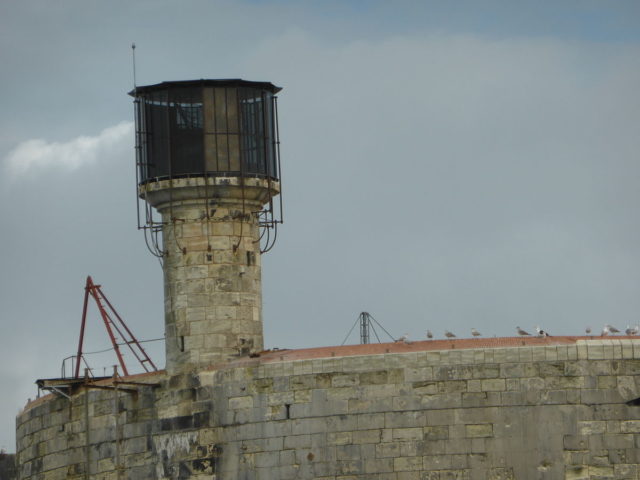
(374, 405)
(418, 374)
(407, 433)
(601, 472)
(618, 441)
(407, 463)
(474, 386)
(445, 400)
(591, 427)
(440, 432)
(576, 472)
(378, 465)
(345, 380)
(501, 473)
(407, 402)
(562, 352)
(339, 438)
(630, 426)
(538, 354)
(404, 419)
(606, 381)
(453, 372)
(551, 353)
(493, 385)
(390, 449)
(370, 420)
(348, 452)
(367, 436)
(576, 442)
(481, 430)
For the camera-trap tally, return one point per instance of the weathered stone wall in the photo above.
(94, 434)
(519, 413)
(547, 412)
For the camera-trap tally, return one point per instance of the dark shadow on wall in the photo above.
(8, 469)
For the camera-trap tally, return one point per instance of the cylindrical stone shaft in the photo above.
(211, 263)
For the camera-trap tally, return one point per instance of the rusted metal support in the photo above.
(140, 384)
(120, 327)
(94, 291)
(82, 325)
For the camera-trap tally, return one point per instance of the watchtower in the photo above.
(207, 155)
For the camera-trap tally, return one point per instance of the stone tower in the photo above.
(207, 155)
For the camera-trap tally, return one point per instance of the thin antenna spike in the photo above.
(133, 57)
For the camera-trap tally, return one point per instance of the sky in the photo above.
(445, 165)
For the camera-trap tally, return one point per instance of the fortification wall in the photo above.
(529, 412)
(95, 430)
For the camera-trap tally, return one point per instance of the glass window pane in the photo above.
(209, 110)
(220, 110)
(158, 134)
(210, 153)
(234, 153)
(222, 153)
(232, 110)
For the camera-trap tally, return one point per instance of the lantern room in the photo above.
(206, 128)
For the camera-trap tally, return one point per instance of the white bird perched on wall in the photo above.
(448, 334)
(404, 338)
(475, 332)
(429, 334)
(541, 333)
(612, 329)
(521, 332)
(605, 331)
(631, 331)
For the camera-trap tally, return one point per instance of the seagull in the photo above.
(448, 334)
(587, 330)
(429, 334)
(522, 332)
(404, 338)
(475, 332)
(605, 331)
(612, 329)
(541, 333)
(631, 331)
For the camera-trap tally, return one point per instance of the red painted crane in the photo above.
(114, 325)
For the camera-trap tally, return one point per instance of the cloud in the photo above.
(33, 156)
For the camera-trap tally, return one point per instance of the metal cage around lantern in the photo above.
(206, 128)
